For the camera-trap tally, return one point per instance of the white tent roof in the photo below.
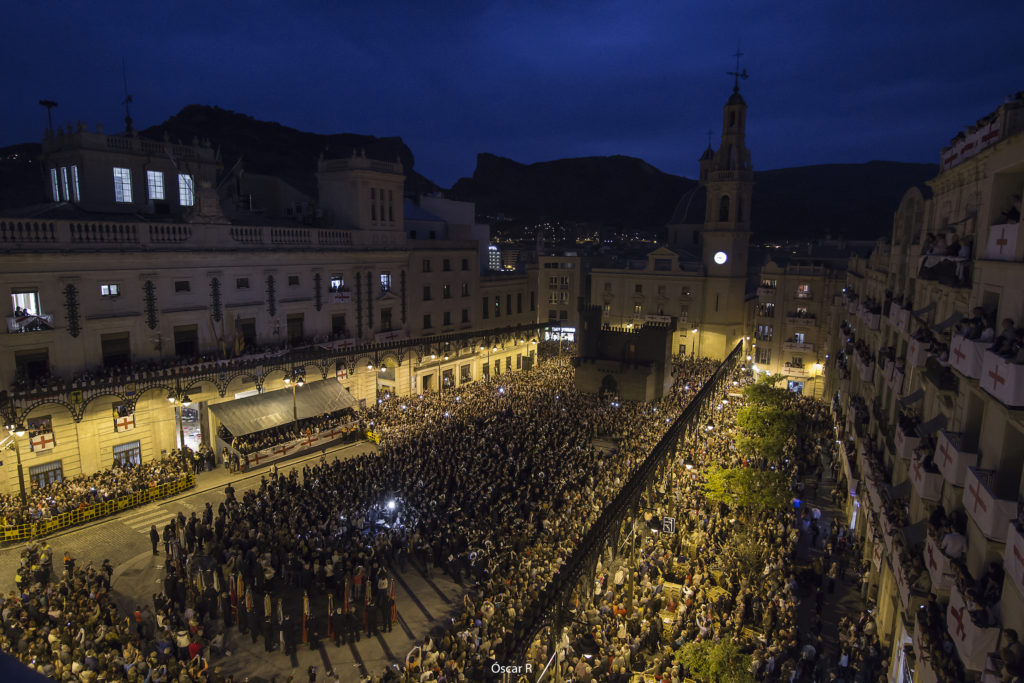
(274, 408)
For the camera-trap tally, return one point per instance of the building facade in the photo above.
(928, 402)
(143, 295)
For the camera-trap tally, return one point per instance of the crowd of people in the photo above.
(494, 484)
(73, 493)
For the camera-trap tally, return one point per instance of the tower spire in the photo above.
(737, 73)
(127, 98)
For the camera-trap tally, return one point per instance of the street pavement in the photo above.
(423, 603)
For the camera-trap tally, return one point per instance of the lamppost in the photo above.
(295, 380)
(179, 396)
(17, 430)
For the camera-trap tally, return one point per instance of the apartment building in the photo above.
(929, 419)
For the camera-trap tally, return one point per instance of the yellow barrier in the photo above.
(22, 532)
(372, 436)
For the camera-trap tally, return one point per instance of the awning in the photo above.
(274, 408)
(910, 399)
(926, 309)
(948, 322)
(931, 426)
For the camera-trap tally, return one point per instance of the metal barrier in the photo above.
(548, 607)
(24, 532)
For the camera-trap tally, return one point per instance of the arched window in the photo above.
(723, 208)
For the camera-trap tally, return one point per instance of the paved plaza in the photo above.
(422, 602)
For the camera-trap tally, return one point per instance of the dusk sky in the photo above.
(532, 81)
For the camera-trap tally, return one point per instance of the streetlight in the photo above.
(179, 396)
(17, 431)
(295, 381)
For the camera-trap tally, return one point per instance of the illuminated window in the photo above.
(54, 187)
(76, 196)
(186, 190)
(64, 182)
(385, 282)
(122, 185)
(109, 290)
(155, 183)
(336, 283)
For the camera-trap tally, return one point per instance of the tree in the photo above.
(764, 431)
(710, 661)
(746, 487)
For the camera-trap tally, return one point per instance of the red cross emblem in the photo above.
(960, 355)
(43, 441)
(917, 471)
(958, 614)
(1020, 560)
(126, 422)
(976, 492)
(946, 457)
(308, 441)
(931, 558)
(996, 378)
(1002, 241)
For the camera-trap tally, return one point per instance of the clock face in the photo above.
(721, 257)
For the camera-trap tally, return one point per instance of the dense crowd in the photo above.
(73, 493)
(494, 484)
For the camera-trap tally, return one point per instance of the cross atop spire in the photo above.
(737, 73)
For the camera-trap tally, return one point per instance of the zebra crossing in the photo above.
(140, 520)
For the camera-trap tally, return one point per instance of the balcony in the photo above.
(1004, 243)
(1002, 379)
(899, 317)
(952, 458)
(988, 504)
(851, 306)
(939, 566)
(797, 346)
(894, 377)
(763, 292)
(906, 443)
(805, 296)
(873, 320)
(927, 482)
(804, 320)
(17, 324)
(866, 369)
(924, 672)
(1013, 557)
(917, 352)
(973, 642)
(791, 370)
(966, 356)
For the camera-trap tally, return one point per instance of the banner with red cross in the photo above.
(1002, 379)
(965, 355)
(1002, 242)
(952, 461)
(124, 423)
(937, 565)
(990, 513)
(1013, 557)
(43, 441)
(972, 642)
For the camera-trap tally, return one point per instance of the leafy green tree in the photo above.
(748, 488)
(764, 431)
(709, 661)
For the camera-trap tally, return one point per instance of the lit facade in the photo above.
(928, 416)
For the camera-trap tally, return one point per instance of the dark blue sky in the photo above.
(830, 81)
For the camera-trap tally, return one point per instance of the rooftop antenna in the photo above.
(737, 73)
(127, 98)
(49, 104)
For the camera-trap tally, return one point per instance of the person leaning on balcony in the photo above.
(1012, 215)
(1005, 338)
(1012, 654)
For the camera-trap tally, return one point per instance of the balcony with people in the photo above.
(1013, 557)
(1002, 366)
(906, 437)
(973, 614)
(936, 657)
(864, 361)
(954, 455)
(899, 315)
(922, 344)
(801, 316)
(1004, 238)
(924, 473)
(870, 311)
(990, 500)
(945, 543)
(972, 337)
(797, 343)
(946, 259)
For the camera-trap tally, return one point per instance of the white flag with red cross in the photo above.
(124, 423)
(973, 642)
(1013, 558)
(43, 441)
